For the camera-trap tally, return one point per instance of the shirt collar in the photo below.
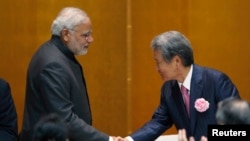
(187, 81)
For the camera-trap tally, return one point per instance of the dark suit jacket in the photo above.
(56, 84)
(206, 83)
(8, 115)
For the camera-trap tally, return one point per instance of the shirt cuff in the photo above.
(129, 138)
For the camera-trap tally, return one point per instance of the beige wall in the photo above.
(123, 84)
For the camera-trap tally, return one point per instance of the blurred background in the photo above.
(123, 85)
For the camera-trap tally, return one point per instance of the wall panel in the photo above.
(148, 20)
(219, 31)
(122, 81)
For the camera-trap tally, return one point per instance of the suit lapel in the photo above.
(195, 93)
(179, 100)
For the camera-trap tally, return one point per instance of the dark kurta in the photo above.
(56, 84)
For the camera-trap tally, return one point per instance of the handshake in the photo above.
(181, 136)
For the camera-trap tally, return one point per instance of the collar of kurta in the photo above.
(63, 48)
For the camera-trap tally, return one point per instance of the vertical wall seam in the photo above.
(129, 65)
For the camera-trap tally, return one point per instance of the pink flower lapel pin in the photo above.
(201, 105)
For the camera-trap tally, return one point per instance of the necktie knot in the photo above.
(184, 90)
(186, 98)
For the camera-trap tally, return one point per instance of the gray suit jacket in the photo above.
(56, 84)
(206, 83)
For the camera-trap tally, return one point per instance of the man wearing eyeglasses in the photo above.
(55, 80)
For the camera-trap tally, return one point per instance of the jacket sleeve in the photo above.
(55, 88)
(225, 87)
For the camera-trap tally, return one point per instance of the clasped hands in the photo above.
(182, 136)
(118, 138)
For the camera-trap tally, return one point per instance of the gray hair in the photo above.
(68, 18)
(233, 111)
(173, 43)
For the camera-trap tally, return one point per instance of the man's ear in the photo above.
(65, 33)
(177, 59)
